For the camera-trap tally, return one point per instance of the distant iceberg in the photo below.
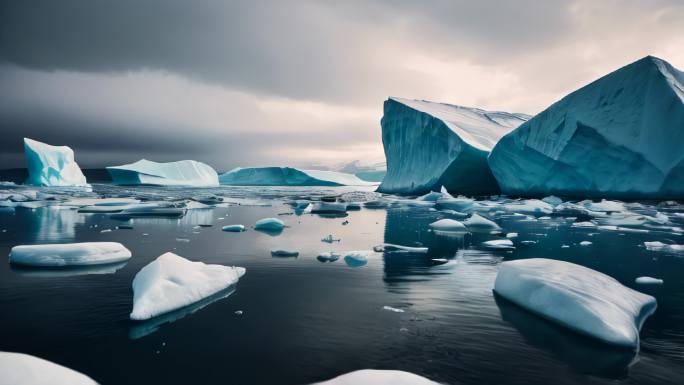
(579, 298)
(52, 165)
(288, 176)
(19, 368)
(171, 282)
(619, 136)
(181, 173)
(429, 145)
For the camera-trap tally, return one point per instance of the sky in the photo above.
(299, 83)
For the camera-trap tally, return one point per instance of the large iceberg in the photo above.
(579, 298)
(378, 377)
(18, 369)
(620, 136)
(288, 176)
(52, 165)
(69, 254)
(429, 145)
(171, 282)
(181, 173)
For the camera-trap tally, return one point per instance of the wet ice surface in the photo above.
(307, 319)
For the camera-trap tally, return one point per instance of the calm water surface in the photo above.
(305, 321)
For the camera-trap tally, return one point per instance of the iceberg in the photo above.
(269, 224)
(579, 298)
(171, 282)
(18, 368)
(289, 176)
(69, 254)
(378, 377)
(181, 173)
(428, 145)
(620, 136)
(52, 165)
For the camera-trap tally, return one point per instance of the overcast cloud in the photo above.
(293, 82)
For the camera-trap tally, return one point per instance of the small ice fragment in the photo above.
(439, 261)
(512, 235)
(239, 312)
(528, 242)
(330, 239)
(499, 244)
(585, 243)
(565, 246)
(106, 231)
(328, 256)
(284, 253)
(269, 224)
(356, 258)
(392, 309)
(448, 225)
(182, 240)
(648, 281)
(478, 223)
(233, 228)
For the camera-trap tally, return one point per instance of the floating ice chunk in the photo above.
(432, 196)
(181, 173)
(648, 281)
(576, 297)
(552, 200)
(289, 176)
(585, 243)
(69, 254)
(448, 225)
(329, 208)
(18, 369)
(391, 248)
(392, 309)
(284, 253)
(478, 223)
(357, 258)
(458, 204)
(329, 256)
(428, 145)
(159, 209)
(269, 224)
(330, 239)
(529, 206)
(499, 244)
(234, 228)
(439, 261)
(171, 282)
(378, 377)
(604, 205)
(586, 225)
(659, 246)
(52, 165)
(512, 235)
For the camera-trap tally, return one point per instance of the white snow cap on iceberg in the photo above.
(181, 173)
(52, 165)
(171, 282)
(289, 176)
(579, 298)
(24, 369)
(69, 254)
(378, 377)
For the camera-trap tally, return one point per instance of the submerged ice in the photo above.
(51, 165)
(428, 145)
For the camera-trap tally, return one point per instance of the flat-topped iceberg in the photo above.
(181, 173)
(428, 145)
(619, 136)
(171, 282)
(18, 368)
(69, 254)
(288, 176)
(378, 377)
(579, 298)
(52, 165)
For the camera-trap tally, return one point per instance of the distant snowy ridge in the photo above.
(288, 176)
(429, 145)
(180, 173)
(619, 136)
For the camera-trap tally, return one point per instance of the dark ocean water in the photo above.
(305, 321)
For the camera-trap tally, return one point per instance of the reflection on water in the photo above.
(583, 354)
(60, 272)
(143, 328)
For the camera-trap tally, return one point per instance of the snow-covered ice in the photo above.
(171, 282)
(52, 165)
(478, 223)
(648, 281)
(499, 244)
(428, 145)
(289, 176)
(378, 377)
(617, 136)
(180, 173)
(24, 369)
(660, 246)
(448, 225)
(69, 254)
(579, 298)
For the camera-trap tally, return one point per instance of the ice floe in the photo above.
(69, 254)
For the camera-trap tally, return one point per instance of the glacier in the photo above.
(180, 173)
(171, 282)
(429, 145)
(52, 165)
(579, 298)
(288, 176)
(378, 377)
(620, 136)
(19, 368)
(69, 254)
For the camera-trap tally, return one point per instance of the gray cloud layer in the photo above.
(293, 82)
